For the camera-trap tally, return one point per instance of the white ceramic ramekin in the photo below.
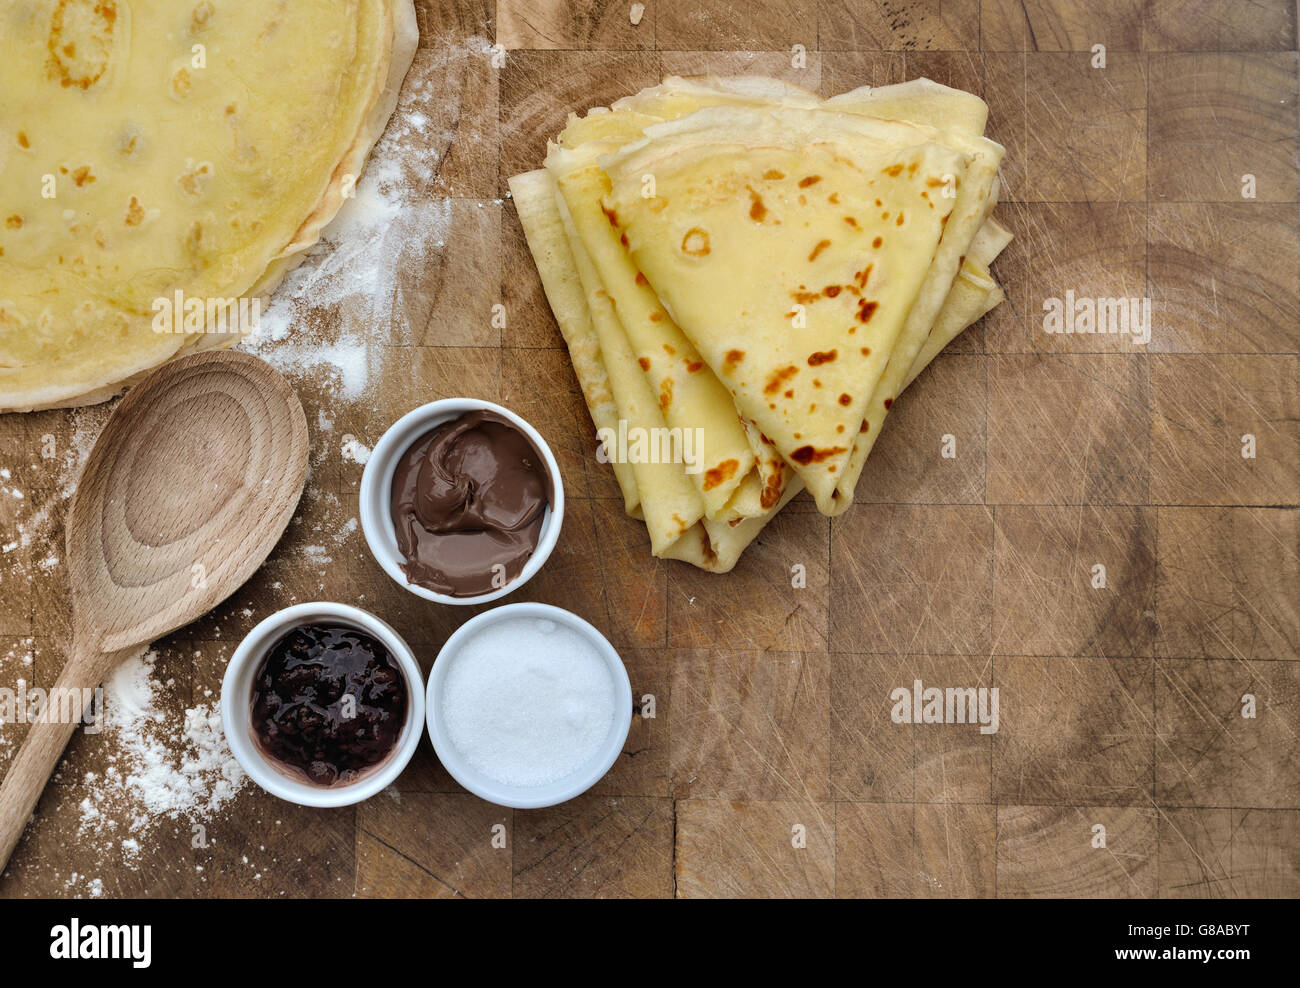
(237, 693)
(528, 797)
(377, 486)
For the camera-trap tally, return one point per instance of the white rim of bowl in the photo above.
(518, 797)
(236, 697)
(377, 483)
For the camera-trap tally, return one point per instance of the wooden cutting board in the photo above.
(771, 765)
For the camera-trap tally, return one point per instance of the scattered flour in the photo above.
(332, 311)
(31, 545)
(17, 659)
(355, 450)
(155, 768)
(317, 554)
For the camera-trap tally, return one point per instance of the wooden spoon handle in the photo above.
(45, 741)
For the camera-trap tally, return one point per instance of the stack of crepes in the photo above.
(740, 262)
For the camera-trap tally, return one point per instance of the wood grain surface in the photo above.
(1121, 707)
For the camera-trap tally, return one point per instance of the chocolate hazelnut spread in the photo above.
(328, 703)
(468, 501)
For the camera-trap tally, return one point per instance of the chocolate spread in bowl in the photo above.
(468, 501)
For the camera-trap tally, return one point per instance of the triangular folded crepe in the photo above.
(959, 116)
(665, 354)
(668, 499)
(715, 544)
(789, 245)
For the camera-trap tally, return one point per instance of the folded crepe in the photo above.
(959, 116)
(708, 543)
(690, 395)
(846, 214)
(534, 198)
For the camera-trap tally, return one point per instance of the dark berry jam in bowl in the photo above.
(329, 703)
(323, 704)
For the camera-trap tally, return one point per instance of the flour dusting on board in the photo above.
(154, 767)
(33, 545)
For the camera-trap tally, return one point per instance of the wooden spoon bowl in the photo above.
(187, 490)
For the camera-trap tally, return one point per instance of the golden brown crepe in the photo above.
(708, 543)
(152, 148)
(789, 245)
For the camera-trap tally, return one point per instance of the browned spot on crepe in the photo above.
(134, 212)
(80, 38)
(809, 454)
(696, 242)
(778, 378)
(720, 474)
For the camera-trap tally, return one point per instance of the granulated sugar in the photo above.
(155, 768)
(528, 701)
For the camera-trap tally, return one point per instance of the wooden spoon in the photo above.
(187, 489)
